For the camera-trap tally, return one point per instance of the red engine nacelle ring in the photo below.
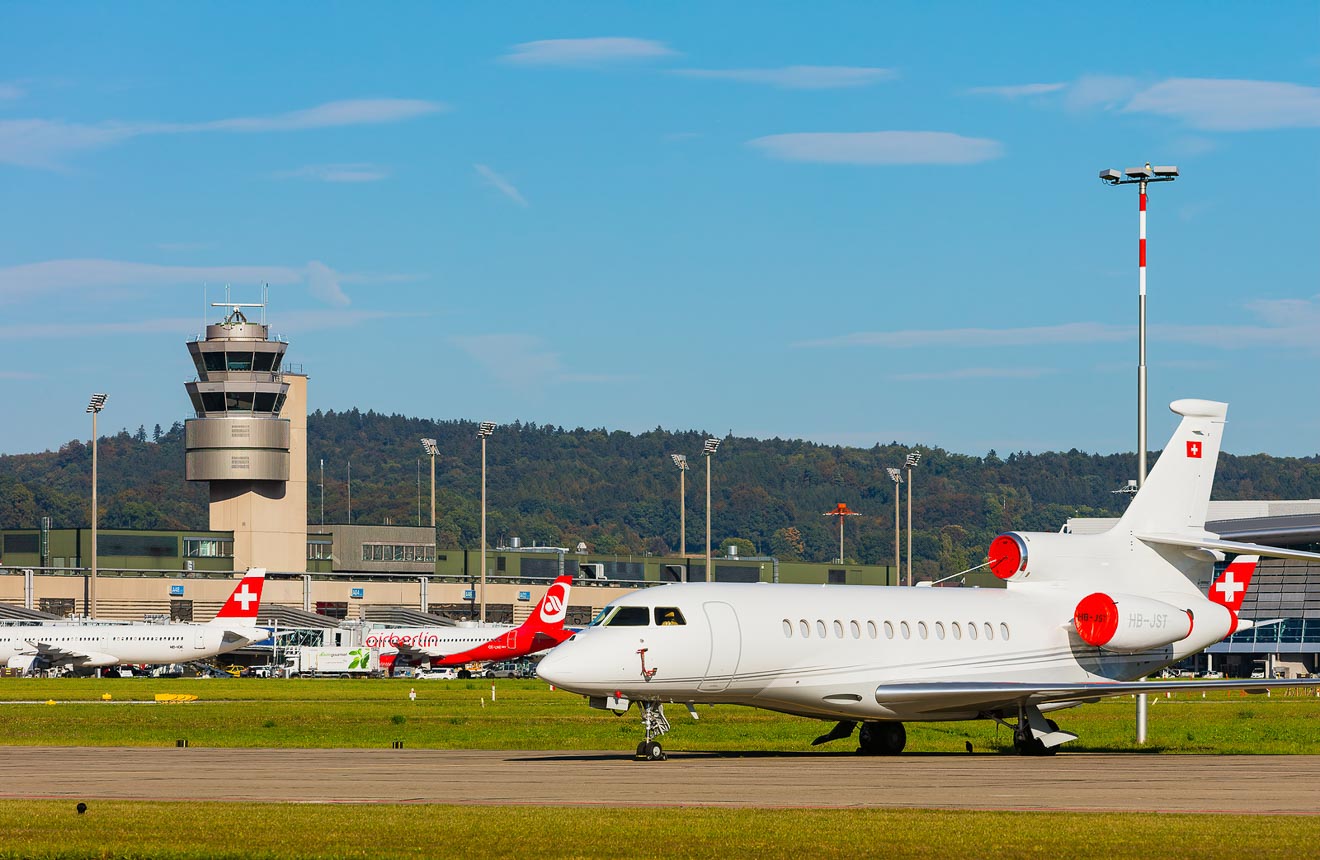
(1008, 556)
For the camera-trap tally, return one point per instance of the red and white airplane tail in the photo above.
(543, 629)
(243, 605)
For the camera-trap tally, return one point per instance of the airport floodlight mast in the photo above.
(841, 510)
(94, 406)
(431, 449)
(680, 460)
(1140, 176)
(487, 428)
(708, 450)
(910, 463)
(896, 475)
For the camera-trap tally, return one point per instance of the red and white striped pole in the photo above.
(1141, 336)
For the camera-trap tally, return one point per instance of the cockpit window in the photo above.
(629, 616)
(666, 616)
(600, 617)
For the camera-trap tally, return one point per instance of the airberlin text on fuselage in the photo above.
(393, 640)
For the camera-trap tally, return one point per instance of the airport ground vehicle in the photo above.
(439, 673)
(311, 661)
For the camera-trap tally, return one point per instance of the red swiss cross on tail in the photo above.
(245, 602)
(1193, 449)
(1230, 589)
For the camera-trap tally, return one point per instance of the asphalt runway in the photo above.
(1076, 782)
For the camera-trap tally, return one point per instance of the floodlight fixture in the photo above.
(487, 428)
(912, 460)
(1138, 172)
(712, 445)
(430, 447)
(1169, 170)
(1111, 176)
(895, 474)
(680, 460)
(97, 403)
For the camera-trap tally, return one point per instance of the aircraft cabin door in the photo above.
(725, 646)
(199, 637)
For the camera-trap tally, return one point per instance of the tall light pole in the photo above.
(897, 476)
(911, 463)
(1141, 176)
(841, 511)
(487, 428)
(680, 460)
(430, 447)
(708, 450)
(94, 406)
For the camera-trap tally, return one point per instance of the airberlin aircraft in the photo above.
(46, 645)
(1082, 617)
(458, 646)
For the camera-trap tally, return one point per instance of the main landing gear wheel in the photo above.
(881, 738)
(651, 751)
(1029, 745)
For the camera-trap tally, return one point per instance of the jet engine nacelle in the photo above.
(1124, 623)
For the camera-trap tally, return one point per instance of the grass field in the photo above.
(361, 713)
(278, 713)
(227, 830)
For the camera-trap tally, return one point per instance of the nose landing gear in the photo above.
(654, 725)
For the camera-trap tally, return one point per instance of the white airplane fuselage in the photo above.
(822, 651)
(109, 645)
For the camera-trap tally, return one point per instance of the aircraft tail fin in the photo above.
(550, 613)
(1176, 494)
(1230, 588)
(244, 604)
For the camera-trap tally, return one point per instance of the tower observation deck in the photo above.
(249, 440)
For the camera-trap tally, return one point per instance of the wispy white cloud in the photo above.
(358, 172)
(47, 143)
(1277, 323)
(89, 275)
(799, 77)
(586, 52)
(1099, 91)
(879, 147)
(525, 362)
(976, 373)
(500, 184)
(980, 337)
(18, 374)
(9, 92)
(1231, 105)
(300, 322)
(1018, 91)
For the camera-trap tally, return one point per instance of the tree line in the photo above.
(618, 492)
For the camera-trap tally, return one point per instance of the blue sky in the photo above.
(847, 222)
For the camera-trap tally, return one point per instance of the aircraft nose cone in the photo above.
(554, 668)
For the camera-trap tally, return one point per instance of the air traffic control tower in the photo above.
(249, 441)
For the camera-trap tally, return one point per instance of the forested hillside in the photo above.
(618, 491)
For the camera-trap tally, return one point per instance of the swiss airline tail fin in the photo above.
(245, 602)
(1230, 589)
(549, 614)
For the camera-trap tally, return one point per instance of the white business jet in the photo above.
(1082, 617)
(49, 645)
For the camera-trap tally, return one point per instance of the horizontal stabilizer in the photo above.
(1209, 541)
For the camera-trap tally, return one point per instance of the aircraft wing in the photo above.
(1209, 541)
(940, 696)
(59, 655)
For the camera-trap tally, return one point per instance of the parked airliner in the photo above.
(52, 644)
(1082, 617)
(458, 646)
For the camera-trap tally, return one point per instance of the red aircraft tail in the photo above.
(543, 629)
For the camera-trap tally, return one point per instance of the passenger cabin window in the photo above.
(668, 616)
(629, 616)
